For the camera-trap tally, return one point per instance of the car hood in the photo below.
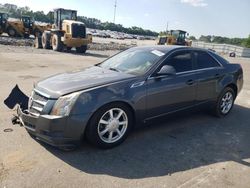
(61, 84)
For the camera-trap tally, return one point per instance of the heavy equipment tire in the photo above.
(81, 49)
(37, 33)
(46, 40)
(26, 35)
(57, 44)
(11, 32)
(110, 125)
(38, 42)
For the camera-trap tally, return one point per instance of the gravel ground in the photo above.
(185, 150)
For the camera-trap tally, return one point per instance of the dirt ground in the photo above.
(186, 150)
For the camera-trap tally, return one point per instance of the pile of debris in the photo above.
(4, 40)
(16, 41)
(109, 46)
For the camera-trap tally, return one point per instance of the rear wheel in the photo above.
(109, 126)
(37, 33)
(38, 42)
(57, 44)
(46, 40)
(81, 49)
(11, 32)
(225, 102)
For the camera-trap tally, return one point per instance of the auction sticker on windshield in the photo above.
(158, 53)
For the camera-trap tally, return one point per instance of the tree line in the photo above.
(16, 12)
(244, 42)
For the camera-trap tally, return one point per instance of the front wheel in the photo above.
(225, 102)
(57, 44)
(109, 126)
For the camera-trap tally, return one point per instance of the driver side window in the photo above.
(181, 61)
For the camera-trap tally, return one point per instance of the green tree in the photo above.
(246, 42)
(192, 38)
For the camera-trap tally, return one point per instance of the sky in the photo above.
(229, 18)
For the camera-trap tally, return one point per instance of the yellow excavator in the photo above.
(174, 37)
(66, 33)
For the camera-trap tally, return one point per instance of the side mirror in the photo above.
(167, 70)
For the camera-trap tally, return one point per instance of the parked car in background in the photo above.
(105, 102)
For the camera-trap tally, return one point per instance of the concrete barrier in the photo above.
(224, 48)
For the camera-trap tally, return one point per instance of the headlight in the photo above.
(64, 104)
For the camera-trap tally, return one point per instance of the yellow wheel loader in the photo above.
(33, 27)
(66, 33)
(174, 37)
(14, 27)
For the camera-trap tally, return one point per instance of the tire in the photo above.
(11, 32)
(101, 125)
(46, 40)
(57, 44)
(37, 33)
(38, 42)
(81, 49)
(26, 35)
(224, 103)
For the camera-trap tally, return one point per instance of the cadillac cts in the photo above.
(104, 102)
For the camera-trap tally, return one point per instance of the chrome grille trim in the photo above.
(37, 103)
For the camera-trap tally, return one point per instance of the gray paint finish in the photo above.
(147, 95)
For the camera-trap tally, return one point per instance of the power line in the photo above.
(115, 10)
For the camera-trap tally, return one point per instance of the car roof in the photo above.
(167, 48)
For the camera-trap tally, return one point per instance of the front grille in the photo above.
(78, 31)
(37, 103)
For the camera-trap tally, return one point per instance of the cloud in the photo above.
(195, 3)
(146, 14)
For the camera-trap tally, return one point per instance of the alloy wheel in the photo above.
(112, 125)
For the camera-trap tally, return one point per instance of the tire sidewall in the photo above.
(218, 104)
(11, 32)
(92, 128)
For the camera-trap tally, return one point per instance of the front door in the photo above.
(173, 92)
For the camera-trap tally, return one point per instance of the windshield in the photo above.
(133, 61)
(68, 15)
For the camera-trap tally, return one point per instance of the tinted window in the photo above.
(181, 61)
(221, 59)
(204, 60)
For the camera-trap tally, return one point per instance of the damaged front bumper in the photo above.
(47, 128)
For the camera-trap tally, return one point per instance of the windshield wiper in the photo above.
(114, 69)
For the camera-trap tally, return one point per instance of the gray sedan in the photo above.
(105, 102)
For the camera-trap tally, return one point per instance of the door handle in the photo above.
(190, 82)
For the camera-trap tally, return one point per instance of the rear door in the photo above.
(173, 92)
(209, 71)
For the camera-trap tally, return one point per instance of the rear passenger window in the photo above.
(181, 61)
(204, 60)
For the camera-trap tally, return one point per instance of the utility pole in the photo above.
(115, 10)
(167, 28)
